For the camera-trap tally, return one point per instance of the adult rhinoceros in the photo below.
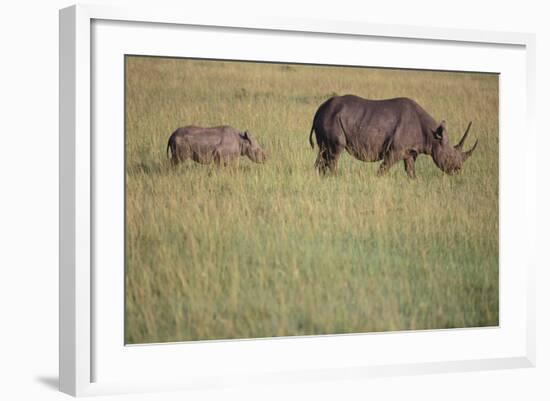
(389, 130)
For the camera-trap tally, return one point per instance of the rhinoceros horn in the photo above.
(461, 143)
(467, 154)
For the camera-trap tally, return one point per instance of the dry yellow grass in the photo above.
(274, 249)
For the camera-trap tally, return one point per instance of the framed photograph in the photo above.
(279, 200)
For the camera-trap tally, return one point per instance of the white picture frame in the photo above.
(87, 343)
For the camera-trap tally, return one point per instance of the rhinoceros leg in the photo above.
(221, 159)
(334, 155)
(409, 166)
(327, 159)
(178, 156)
(389, 160)
(320, 162)
(174, 160)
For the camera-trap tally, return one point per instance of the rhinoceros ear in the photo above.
(245, 136)
(438, 133)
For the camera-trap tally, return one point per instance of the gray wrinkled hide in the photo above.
(216, 144)
(389, 130)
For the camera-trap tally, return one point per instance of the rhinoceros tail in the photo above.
(311, 136)
(170, 146)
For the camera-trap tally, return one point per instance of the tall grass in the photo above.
(275, 250)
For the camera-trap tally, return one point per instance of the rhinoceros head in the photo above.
(447, 157)
(252, 149)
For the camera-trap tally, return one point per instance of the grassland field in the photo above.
(261, 250)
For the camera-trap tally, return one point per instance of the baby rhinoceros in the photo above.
(218, 144)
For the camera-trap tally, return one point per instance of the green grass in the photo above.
(275, 250)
